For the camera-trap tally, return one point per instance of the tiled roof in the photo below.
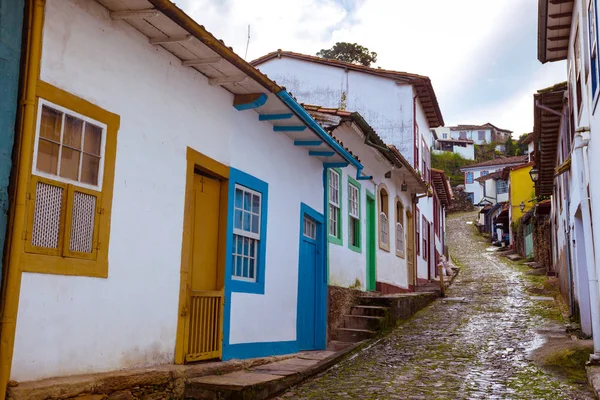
(469, 127)
(499, 161)
(422, 84)
(467, 141)
(529, 138)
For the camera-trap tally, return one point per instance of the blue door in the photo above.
(312, 283)
(11, 30)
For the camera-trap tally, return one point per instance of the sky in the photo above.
(481, 55)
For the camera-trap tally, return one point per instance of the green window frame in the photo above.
(335, 202)
(354, 216)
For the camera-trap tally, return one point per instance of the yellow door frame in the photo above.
(198, 161)
(30, 67)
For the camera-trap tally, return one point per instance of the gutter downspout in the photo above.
(580, 143)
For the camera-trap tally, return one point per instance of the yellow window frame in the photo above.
(63, 261)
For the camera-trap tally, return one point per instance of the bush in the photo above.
(451, 164)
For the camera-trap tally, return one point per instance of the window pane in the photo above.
(237, 222)
(93, 139)
(239, 198)
(72, 133)
(255, 204)
(50, 124)
(47, 157)
(247, 201)
(89, 169)
(69, 164)
(255, 223)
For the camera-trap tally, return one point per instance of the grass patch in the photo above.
(569, 363)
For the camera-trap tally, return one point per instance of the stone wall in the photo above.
(341, 301)
(461, 201)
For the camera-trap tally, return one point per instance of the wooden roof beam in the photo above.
(560, 15)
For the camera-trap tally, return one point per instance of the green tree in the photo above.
(349, 52)
(510, 147)
(522, 148)
(451, 163)
(486, 152)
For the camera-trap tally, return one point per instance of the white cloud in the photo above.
(449, 41)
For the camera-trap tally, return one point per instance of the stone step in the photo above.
(364, 322)
(335, 345)
(378, 301)
(353, 335)
(370, 311)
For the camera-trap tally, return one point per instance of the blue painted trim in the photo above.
(335, 165)
(308, 143)
(364, 178)
(321, 289)
(291, 128)
(231, 285)
(318, 129)
(262, 99)
(321, 153)
(273, 117)
(260, 349)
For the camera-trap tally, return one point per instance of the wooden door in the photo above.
(410, 248)
(371, 245)
(205, 298)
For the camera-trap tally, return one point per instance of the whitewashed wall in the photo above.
(385, 105)
(69, 325)
(474, 135)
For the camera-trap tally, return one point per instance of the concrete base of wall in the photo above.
(386, 288)
(402, 306)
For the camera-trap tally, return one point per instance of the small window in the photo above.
(246, 233)
(468, 177)
(484, 173)
(501, 186)
(399, 229)
(462, 135)
(354, 234)
(334, 205)
(481, 135)
(384, 228)
(310, 228)
(444, 136)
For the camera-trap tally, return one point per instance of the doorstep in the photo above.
(593, 375)
(265, 381)
(226, 379)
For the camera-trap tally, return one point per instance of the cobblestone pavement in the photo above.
(477, 349)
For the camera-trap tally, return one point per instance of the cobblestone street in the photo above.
(477, 349)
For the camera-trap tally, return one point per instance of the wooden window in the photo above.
(481, 135)
(417, 230)
(354, 231)
(384, 225)
(425, 239)
(335, 223)
(399, 229)
(70, 190)
(577, 56)
(462, 135)
(246, 233)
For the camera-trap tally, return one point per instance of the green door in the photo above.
(371, 245)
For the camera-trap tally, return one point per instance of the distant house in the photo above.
(475, 171)
(494, 188)
(464, 147)
(530, 142)
(481, 134)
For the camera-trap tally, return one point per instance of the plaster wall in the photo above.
(71, 325)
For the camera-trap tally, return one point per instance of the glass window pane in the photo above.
(255, 204)
(47, 157)
(252, 249)
(245, 271)
(90, 169)
(50, 124)
(247, 201)
(251, 272)
(246, 246)
(255, 223)
(237, 222)
(69, 164)
(246, 226)
(72, 133)
(93, 139)
(239, 198)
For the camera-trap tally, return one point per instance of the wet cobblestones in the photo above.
(476, 349)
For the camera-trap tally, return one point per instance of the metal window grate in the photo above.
(82, 222)
(46, 217)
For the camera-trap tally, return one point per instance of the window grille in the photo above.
(400, 239)
(82, 222)
(383, 223)
(47, 215)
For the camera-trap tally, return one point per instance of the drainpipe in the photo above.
(580, 143)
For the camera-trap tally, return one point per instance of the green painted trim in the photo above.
(358, 248)
(339, 239)
(371, 274)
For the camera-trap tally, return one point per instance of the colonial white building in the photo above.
(401, 107)
(479, 134)
(170, 199)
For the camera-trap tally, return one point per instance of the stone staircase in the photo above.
(373, 314)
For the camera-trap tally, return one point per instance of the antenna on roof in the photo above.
(247, 43)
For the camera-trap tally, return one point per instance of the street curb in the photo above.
(593, 376)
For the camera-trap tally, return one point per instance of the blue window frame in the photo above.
(484, 173)
(246, 233)
(593, 48)
(501, 186)
(468, 177)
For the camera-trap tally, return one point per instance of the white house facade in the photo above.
(150, 206)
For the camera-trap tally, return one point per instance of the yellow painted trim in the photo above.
(67, 252)
(382, 245)
(34, 24)
(29, 247)
(197, 160)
